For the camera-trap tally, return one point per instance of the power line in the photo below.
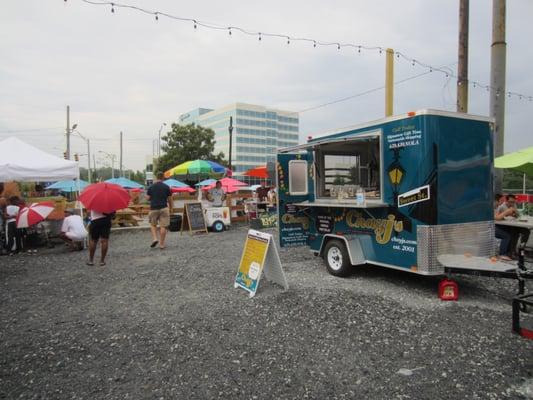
(359, 48)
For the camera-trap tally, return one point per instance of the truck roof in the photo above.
(398, 117)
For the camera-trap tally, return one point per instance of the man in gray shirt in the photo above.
(217, 195)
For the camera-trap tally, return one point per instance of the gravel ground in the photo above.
(168, 324)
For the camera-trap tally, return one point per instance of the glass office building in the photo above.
(257, 132)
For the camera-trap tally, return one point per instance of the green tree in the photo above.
(186, 143)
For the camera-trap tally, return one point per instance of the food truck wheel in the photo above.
(337, 259)
(218, 226)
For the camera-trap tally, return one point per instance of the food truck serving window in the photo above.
(349, 165)
(298, 177)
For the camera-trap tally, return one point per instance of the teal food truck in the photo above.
(412, 192)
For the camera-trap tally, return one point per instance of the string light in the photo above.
(315, 42)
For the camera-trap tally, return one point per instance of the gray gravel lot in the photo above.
(168, 324)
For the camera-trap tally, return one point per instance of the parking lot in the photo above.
(169, 324)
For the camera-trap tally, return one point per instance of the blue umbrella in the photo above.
(125, 183)
(174, 183)
(206, 182)
(68, 186)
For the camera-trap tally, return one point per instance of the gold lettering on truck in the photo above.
(382, 228)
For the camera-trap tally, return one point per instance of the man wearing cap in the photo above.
(73, 231)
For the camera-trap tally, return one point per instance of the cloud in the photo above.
(127, 72)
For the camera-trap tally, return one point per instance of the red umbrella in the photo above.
(258, 172)
(34, 214)
(104, 197)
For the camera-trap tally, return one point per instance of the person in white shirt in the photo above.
(217, 195)
(73, 231)
(14, 239)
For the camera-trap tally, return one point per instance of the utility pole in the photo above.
(120, 154)
(89, 161)
(94, 164)
(230, 129)
(497, 83)
(68, 132)
(462, 80)
(389, 82)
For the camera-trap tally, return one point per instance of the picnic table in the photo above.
(126, 217)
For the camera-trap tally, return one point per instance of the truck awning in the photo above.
(318, 142)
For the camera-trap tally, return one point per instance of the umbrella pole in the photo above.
(524, 184)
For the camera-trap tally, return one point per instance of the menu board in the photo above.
(324, 224)
(193, 218)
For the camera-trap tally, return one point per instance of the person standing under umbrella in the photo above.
(99, 230)
(13, 235)
(159, 195)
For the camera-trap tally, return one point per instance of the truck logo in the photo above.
(382, 228)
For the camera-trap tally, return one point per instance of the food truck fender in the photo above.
(353, 246)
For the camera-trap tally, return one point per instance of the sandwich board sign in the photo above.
(193, 218)
(259, 254)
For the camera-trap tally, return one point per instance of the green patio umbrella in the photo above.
(521, 160)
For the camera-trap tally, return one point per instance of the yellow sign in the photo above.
(259, 254)
(252, 260)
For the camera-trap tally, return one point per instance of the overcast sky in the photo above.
(124, 71)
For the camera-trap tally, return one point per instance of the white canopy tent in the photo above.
(20, 161)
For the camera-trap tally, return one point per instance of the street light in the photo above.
(112, 157)
(88, 151)
(159, 140)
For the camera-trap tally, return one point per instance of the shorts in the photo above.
(162, 216)
(74, 237)
(100, 228)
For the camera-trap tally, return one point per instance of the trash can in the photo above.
(175, 222)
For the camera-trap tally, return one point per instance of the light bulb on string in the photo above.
(380, 50)
(156, 17)
(112, 8)
(288, 40)
(314, 43)
(338, 46)
(359, 50)
(229, 31)
(413, 62)
(259, 36)
(195, 26)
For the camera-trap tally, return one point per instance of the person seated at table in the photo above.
(216, 195)
(500, 232)
(73, 231)
(508, 206)
(518, 234)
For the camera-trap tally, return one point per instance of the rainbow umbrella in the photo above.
(196, 167)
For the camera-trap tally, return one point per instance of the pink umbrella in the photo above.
(229, 185)
(34, 214)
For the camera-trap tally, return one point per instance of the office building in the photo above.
(257, 132)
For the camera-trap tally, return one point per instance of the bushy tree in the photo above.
(186, 143)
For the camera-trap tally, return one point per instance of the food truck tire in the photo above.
(218, 226)
(337, 258)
